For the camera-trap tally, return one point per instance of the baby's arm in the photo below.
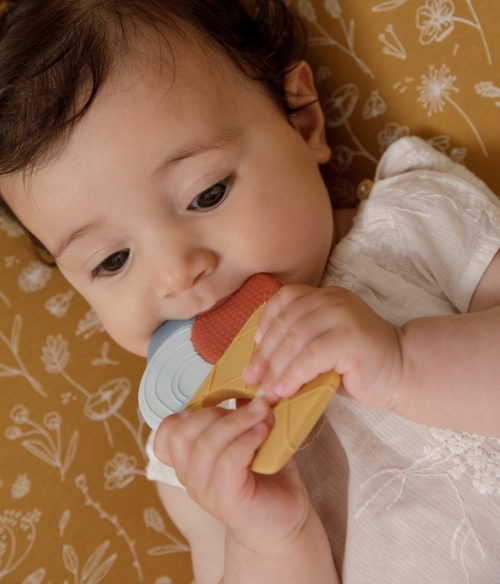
(205, 534)
(441, 371)
(272, 533)
(451, 365)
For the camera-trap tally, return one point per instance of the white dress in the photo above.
(403, 502)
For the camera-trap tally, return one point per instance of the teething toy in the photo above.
(199, 362)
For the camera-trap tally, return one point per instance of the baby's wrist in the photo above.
(273, 543)
(303, 556)
(399, 388)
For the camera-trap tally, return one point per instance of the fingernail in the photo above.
(260, 393)
(249, 372)
(258, 336)
(268, 394)
(257, 405)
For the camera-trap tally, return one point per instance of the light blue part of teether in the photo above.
(174, 372)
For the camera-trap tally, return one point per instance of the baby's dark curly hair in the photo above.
(51, 51)
(56, 54)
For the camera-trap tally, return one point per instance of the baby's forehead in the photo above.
(181, 52)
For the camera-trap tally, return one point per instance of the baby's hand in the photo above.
(211, 451)
(304, 331)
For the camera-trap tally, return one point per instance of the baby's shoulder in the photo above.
(415, 182)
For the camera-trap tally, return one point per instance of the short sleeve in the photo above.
(448, 221)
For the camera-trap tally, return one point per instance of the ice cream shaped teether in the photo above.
(199, 362)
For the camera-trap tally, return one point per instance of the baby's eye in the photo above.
(112, 264)
(211, 197)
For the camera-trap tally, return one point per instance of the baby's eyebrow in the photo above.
(73, 236)
(225, 138)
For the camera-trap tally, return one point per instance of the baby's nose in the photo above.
(185, 270)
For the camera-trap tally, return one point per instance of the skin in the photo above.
(275, 217)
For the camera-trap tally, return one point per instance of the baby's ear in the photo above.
(309, 121)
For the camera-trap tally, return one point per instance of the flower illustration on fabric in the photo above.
(35, 577)
(441, 142)
(34, 277)
(19, 414)
(108, 399)
(471, 455)
(453, 461)
(59, 304)
(17, 538)
(436, 91)
(10, 227)
(153, 520)
(45, 442)
(435, 20)
(306, 10)
(375, 106)
(390, 133)
(339, 108)
(392, 43)
(436, 88)
(341, 158)
(388, 5)
(21, 487)
(55, 354)
(11, 261)
(459, 154)
(104, 359)
(64, 521)
(12, 342)
(81, 483)
(94, 569)
(89, 325)
(120, 471)
(488, 89)
(333, 8)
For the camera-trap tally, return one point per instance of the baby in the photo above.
(163, 152)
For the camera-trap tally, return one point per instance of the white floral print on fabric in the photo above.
(369, 61)
(34, 277)
(454, 459)
(436, 90)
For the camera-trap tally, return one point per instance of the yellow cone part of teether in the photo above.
(294, 417)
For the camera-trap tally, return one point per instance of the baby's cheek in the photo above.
(126, 332)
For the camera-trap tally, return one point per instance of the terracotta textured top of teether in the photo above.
(214, 330)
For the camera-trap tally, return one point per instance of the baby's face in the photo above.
(172, 192)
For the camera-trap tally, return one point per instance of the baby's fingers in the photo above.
(277, 303)
(177, 435)
(278, 316)
(308, 364)
(297, 340)
(222, 457)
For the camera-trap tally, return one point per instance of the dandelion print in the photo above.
(436, 91)
(34, 277)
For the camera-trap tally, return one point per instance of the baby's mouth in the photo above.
(216, 305)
